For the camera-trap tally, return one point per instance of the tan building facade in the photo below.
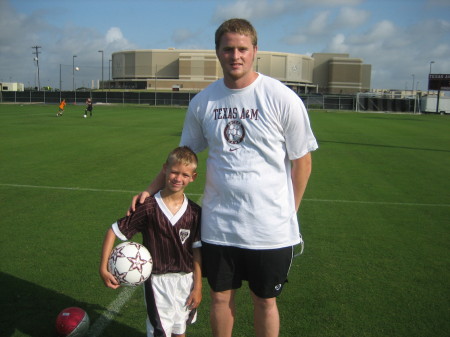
(341, 74)
(193, 70)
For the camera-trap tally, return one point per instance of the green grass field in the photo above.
(375, 218)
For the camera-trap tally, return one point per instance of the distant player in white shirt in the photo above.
(259, 140)
(170, 227)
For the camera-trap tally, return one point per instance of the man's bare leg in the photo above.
(266, 316)
(222, 313)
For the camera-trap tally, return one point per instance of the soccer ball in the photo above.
(84, 116)
(130, 263)
(77, 69)
(72, 322)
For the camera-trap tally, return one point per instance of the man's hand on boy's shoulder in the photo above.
(137, 199)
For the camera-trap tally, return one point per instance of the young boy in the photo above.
(88, 108)
(61, 108)
(170, 227)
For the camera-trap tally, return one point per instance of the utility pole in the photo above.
(36, 58)
(101, 51)
(73, 72)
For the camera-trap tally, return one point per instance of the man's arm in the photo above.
(300, 172)
(156, 185)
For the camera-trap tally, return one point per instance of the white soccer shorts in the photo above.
(171, 292)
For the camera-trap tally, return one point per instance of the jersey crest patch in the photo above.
(184, 234)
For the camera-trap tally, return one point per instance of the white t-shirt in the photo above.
(252, 134)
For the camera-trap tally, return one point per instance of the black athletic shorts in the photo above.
(265, 270)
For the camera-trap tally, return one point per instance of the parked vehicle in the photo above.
(428, 104)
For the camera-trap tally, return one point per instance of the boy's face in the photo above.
(178, 176)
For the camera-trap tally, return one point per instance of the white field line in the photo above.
(112, 310)
(389, 203)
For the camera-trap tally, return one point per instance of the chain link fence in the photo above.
(313, 101)
(103, 97)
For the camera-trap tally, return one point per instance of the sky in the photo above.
(399, 38)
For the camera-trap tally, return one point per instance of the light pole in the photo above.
(156, 72)
(431, 62)
(412, 85)
(37, 64)
(109, 74)
(73, 71)
(101, 51)
(60, 82)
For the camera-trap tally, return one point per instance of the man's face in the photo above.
(236, 55)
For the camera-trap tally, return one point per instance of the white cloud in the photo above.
(319, 25)
(338, 44)
(182, 35)
(115, 40)
(382, 30)
(316, 28)
(328, 25)
(249, 9)
(397, 52)
(336, 3)
(114, 34)
(352, 17)
(398, 40)
(273, 9)
(19, 32)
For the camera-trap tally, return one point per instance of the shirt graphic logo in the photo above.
(184, 234)
(234, 132)
(278, 287)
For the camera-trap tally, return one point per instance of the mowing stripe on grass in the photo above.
(199, 195)
(112, 310)
(78, 189)
(379, 202)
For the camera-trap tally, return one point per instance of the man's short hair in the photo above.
(240, 26)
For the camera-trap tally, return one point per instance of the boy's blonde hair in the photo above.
(240, 26)
(183, 155)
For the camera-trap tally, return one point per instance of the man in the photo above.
(259, 162)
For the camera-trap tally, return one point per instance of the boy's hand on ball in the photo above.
(109, 280)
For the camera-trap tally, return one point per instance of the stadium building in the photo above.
(193, 70)
(11, 86)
